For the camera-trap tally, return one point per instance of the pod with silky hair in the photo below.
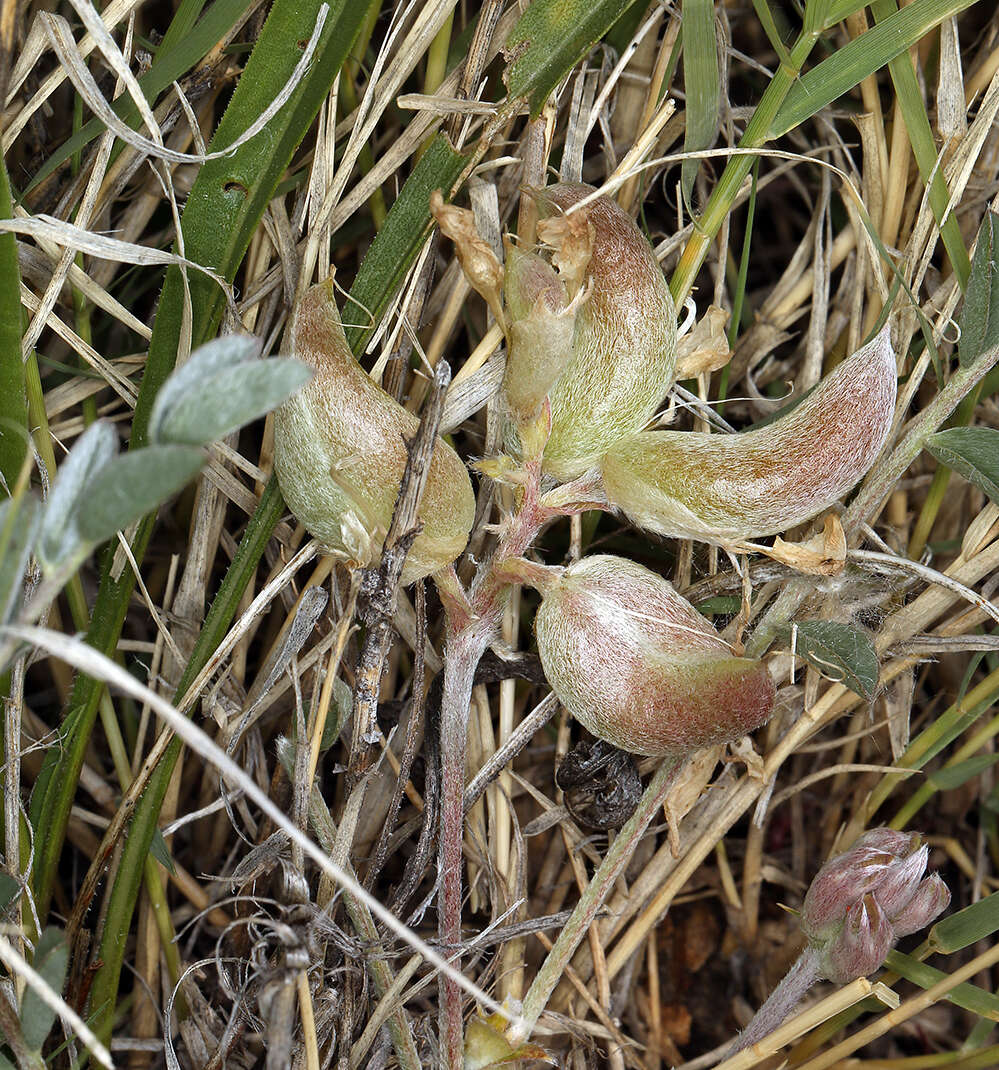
(639, 667)
(725, 488)
(340, 454)
(598, 335)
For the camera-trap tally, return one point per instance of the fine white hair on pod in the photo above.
(639, 667)
(724, 488)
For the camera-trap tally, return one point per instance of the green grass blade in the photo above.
(701, 84)
(967, 996)
(13, 401)
(398, 241)
(181, 25)
(924, 146)
(550, 38)
(857, 59)
(837, 10)
(886, 43)
(769, 24)
(966, 927)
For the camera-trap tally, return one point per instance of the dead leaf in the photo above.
(821, 555)
(705, 347)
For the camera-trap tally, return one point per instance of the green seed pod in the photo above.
(639, 666)
(724, 488)
(622, 357)
(340, 454)
(541, 329)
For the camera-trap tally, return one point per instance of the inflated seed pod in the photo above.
(339, 454)
(639, 666)
(622, 357)
(723, 488)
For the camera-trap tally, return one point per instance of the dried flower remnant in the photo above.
(340, 453)
(479, 263)
(858, 906)
(726, 488)
(611, 356)
(636, 664)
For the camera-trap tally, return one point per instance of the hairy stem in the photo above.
(553, 968)
(781, 1002)
(473, 624)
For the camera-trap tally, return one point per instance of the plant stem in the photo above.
(781, 1002)
(472, 625)
(553, 968)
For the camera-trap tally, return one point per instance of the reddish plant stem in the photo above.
(473, 624)
(781, 1002)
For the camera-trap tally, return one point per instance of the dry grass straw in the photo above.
(751, 831)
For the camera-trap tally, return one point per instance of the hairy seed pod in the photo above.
(723, 488)
(639, 666)
(623, 343)
(340, 454)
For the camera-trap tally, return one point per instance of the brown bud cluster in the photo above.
(864, 900)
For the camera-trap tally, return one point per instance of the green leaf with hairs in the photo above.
(60, 538)
(20, 521)
(550, 38)
(972, 452)
(839, 652)
(132, 485)
(51, 959)
(221, 387)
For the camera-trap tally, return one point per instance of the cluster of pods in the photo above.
(591, 338)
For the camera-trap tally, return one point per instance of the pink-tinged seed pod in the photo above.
(340, 453)
(639, 667)
(865, 899)
(623, 354)
(724, 488)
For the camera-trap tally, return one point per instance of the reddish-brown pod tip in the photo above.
(639, 666)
